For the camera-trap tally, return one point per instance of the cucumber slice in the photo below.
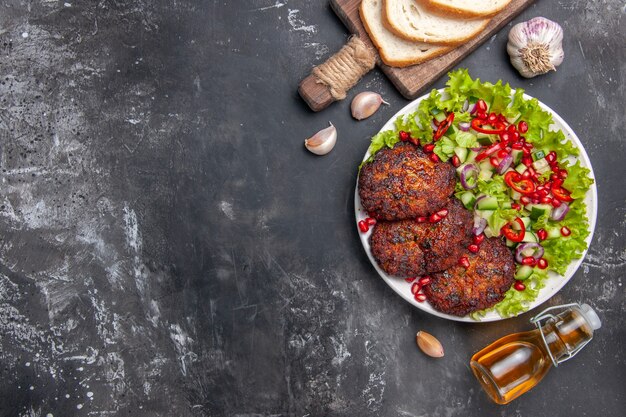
(526, 221)
(517, 156)
(538, 210)
(485, 139)
(553, 233)
(520, 168)
(487, 203)
(541, 164)
(530, 237)
(468, 199)
(471, 156)
(440, 117)
(485, 175)
(539, 155)
(510, 243)
(506, 205)
(524, 272)
(515, 195)
(461, 153)
(486, 165)
(485, 214)
(489, 233)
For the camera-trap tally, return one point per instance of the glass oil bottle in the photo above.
(514, 364)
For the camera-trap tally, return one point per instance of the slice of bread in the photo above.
(467, 8)
(394, 51)
(411, 20)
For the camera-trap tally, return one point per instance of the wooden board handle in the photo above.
(331, 80)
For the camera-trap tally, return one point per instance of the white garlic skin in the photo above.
(365, 104)
(323, 141)
(537, 32)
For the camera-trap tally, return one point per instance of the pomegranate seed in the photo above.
(481, 115)
(429, 147)
(516, 206)
(434, 218)
(492, 118)
(526, 174)
(526, 160)
(420, 297)
(505, 137)
(534, 200)
(363, 226)
(517, 146)
(442, 213)
(370, 221)
(562, 174)
(410, 279)
(514, 136)
(522, 127)
(478, 239)
(545, 200)
(421, 219)
(529, 261)
(542, 234)
(542, 194)
(519, 286)
(526, 152)
(502, 153)
(464, 262)
(404, 136)
(541, 187)
(525, 200)
(433, 157)
(424, 280)
(542, 263)
(415, 288)
(555, 203)
(456, 162)
(551, 156)
(557, 182)
(565, 231)
(511, 129)
(481, 106)
(473, 248)
(494, 161)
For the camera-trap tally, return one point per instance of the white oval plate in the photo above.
(554, 282)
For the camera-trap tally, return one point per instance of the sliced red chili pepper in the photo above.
(487, 152)
(514, 235)
(477, 125)
(561, 193)
(522, 185)
(444, 126)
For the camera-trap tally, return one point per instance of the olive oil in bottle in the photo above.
(514, 364)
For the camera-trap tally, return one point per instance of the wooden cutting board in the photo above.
(410, 81)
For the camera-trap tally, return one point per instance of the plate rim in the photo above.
(591, 200)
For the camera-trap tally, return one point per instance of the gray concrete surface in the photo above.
(169, 248)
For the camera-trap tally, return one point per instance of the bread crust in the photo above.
(450, 41)
(392, 61)
(440, 7)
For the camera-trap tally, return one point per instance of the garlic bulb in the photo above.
(323, 141)
(535, 47)
(365, 104)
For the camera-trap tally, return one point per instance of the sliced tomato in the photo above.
(444, 126)
(512, 234)
(561, 193)
(520, 184)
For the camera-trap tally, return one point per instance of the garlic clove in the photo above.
(429, 344)
(323, 141)
(536, 46)
(365, 104)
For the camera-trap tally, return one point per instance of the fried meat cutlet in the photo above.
(460, 291)
(403, 183)
(409, 248)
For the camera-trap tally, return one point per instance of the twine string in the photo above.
(344, 69)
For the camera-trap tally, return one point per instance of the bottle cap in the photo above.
(591, 316)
